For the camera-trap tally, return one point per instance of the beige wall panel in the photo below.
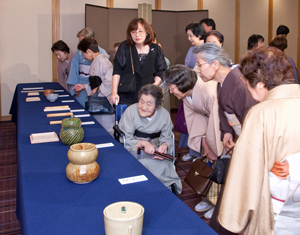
(179, 5)
(223, 13)
(120, 22)
(25, 41)
(99, 24)
(132, 3)
(72, 19)
(254, 20)
(286, 13)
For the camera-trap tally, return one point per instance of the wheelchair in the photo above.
(120, 137)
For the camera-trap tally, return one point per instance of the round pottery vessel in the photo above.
(83, 153)
(52, 97)
(123, 218)
(48, 91)
(82, 174)
(71, 131)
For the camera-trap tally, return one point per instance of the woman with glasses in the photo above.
(140, 55)
(201, 114)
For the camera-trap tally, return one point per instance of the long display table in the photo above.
(48, 203)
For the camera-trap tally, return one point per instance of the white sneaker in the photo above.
(208, 214)
(187, 157)
(203, 206)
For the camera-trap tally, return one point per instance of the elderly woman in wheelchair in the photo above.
(148, 125)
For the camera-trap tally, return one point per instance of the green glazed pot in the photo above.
(71, 131)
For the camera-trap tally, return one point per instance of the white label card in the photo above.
(104, 145)
(77, 110)
(88, 123)
(63, 95)
(33, 88)
(133, 179)
(67, 101)
(82, 115)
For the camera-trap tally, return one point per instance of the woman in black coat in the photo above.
(147, 60)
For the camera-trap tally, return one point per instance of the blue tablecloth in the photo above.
(48, 203)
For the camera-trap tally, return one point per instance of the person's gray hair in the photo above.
(211, 52)
(86, 32)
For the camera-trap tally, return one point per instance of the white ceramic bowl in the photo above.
(52, 97)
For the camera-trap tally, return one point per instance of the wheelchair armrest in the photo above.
(119, 134)
(118, 131)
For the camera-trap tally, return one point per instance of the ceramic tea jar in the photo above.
(71, 131)
(123, 218)
(83, 167)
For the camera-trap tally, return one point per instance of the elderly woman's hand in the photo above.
(148, 147)
(162, 149)
(210, 155)
(207, 151)
(228, 142)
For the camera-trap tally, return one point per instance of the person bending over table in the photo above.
(202, 119)
(147, 124)
(147, 60)
(64, 55)
(101, 72)
(233, 96)
(80, 66)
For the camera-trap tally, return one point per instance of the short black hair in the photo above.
(253, 40)
(282, 29)
(196, 28)
(209, 22)
(88, 43)
(181, 76)
(60, 46)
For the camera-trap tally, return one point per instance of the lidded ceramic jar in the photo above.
(83, 167)
(123, 218)
(71, 131)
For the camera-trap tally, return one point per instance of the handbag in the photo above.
(98, 105)
(180, 123)
(95, 81)
(127, 83)
(198, 178)
(220, 168)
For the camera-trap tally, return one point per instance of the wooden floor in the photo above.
(8, 177)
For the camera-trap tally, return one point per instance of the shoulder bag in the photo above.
(220, 168)
(98, 105)
(198, 178)
(127, 83)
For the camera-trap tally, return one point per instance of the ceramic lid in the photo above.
(123, 211)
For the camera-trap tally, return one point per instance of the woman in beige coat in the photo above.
(267, 153)
(200, 111)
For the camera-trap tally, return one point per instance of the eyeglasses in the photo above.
(172, 88)
(140, 31)
(199, 65)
